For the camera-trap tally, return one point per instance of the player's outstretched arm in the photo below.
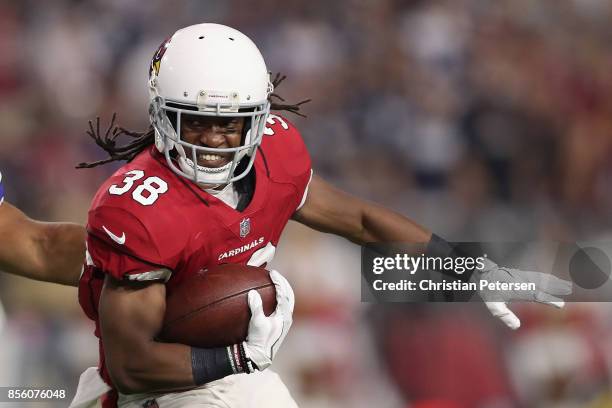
(328, 209)
(51, 252)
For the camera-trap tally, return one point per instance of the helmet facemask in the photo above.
(166, 119)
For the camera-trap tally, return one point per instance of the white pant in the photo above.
(259, 390)
(91, 388)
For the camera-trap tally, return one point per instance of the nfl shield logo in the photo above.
(245, 227)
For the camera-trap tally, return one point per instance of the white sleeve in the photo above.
(305, 193)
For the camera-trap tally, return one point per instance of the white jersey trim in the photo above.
(305, 193)
(160, 274)
(229, 195)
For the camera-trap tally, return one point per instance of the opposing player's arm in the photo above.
(328, 209)
(52, 252)
(131, 315)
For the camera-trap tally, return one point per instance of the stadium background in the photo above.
(483, 120)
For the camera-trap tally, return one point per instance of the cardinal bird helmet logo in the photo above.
(157, 57)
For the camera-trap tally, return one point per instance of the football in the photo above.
(211, 309)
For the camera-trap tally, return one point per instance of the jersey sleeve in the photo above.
(291, 161)
(119, 244)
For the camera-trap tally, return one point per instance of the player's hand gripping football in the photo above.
(266, 333)
(548, 288)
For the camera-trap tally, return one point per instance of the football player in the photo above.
(214, 180)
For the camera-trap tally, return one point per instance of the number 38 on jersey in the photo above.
(146, 192)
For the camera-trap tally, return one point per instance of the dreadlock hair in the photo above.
(141, 140)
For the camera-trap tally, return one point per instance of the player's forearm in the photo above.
(164, 367)
(52, 252)
(151, 367)
(18, 247)
(62, 250)
(379, 224)
(131, 316)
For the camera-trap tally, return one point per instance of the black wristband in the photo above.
(211, 364)
(437, 247)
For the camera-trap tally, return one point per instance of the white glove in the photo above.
(548, 287)
(266, 333)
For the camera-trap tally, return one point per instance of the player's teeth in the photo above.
(210, 157)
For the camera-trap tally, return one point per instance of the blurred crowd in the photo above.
(483, 120)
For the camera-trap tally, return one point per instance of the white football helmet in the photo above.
(208, 70)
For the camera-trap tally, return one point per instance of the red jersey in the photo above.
(148, 223)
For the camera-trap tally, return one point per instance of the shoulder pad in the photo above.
(120, 244)
(284, 149)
